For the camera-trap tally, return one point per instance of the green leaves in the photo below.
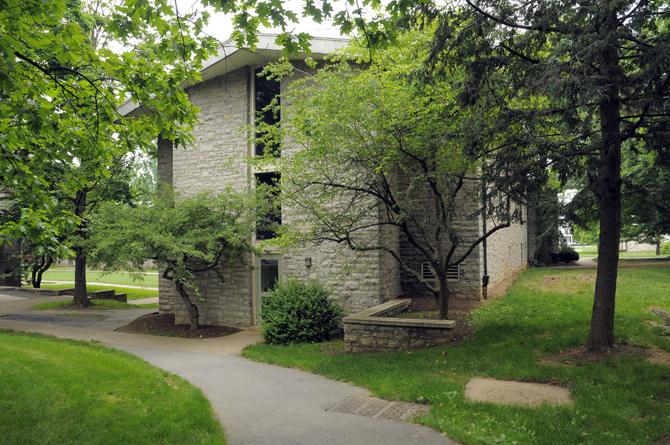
(65, 68)
(179, 234)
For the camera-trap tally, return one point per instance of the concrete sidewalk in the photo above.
(258, 404)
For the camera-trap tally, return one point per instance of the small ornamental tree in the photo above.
(378, 153)
(183, 236)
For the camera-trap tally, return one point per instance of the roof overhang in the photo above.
(231, 57)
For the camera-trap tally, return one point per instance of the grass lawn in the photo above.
(67, 274)
(97, 304)
(621, 399)
(58, 391)
(592, 252)
(133, 294)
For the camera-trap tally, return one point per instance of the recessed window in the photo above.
(266, 107)
(267, 224)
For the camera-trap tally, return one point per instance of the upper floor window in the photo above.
(266, 106)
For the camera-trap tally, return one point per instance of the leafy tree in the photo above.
(61, 136)
(182, 236)
(583, 79)
(382, 154)
(645, 209)
(580, 81)
(646, 202)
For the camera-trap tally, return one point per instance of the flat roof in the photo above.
(231, 57)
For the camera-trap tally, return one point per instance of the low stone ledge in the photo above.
(370, 330)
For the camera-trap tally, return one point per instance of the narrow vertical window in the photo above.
(268, 114)
(266, 226)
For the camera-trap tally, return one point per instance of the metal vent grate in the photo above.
(427, 273)
(378, 408)
(454, 273)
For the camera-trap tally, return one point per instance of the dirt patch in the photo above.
(659, 357)
(509, 392)
(164, 325)
(579, 356)
(660, 313)
(564, 284)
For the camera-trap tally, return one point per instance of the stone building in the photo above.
(228, 96)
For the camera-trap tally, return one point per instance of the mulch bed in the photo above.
(425, 308)
(163, 324)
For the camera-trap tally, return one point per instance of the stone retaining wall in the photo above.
(373, 330)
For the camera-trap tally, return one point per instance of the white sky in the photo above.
(220, 25)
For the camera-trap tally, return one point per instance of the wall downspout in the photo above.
(485, 276)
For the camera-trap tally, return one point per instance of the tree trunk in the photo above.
(601, 336)
(194, 314)
(80, 295)
(658, 247)
(444, 297)
(39, 269)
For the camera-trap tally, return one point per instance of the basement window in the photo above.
(266, 96)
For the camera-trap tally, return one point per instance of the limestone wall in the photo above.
(507, 252)
(219, 158)
(468, 228)
(216, 159)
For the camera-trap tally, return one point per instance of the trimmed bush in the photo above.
(296, 312)
(665, 248)
(568, 255)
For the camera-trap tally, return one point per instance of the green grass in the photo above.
(133, 294)
(97, 304)
(592, 252)
(67, 274)
(65, 392)
(620, 400)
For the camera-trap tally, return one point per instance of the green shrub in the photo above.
(296, 311)
(665, 247)
(568, 255)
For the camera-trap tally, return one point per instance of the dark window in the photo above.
(269, 274)
(267, 91)
(266, 227)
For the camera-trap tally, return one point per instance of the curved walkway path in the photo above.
(258, 404)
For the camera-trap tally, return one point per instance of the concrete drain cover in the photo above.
(378, 408)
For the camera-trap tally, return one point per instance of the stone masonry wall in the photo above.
(216, 160)
(357, 280)
(219, 158)
(507, 255)
(468, 228)
(377, 338)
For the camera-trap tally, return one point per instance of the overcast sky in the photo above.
(220, 25)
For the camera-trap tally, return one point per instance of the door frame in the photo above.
(256, 278)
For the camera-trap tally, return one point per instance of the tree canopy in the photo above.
(182, 236)
(391, 152)
(67, 66)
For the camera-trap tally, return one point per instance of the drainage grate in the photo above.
(378, 408)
